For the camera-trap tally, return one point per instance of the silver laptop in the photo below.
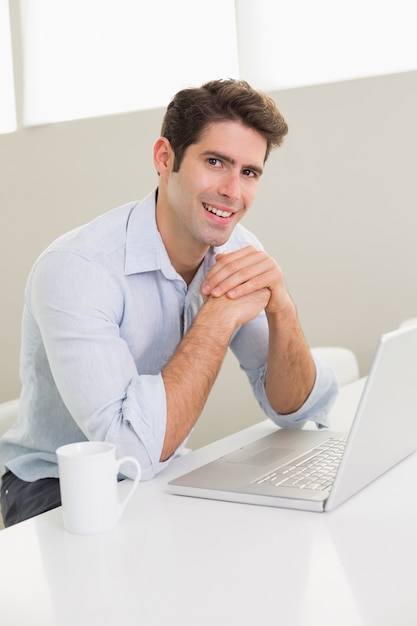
(317, 470)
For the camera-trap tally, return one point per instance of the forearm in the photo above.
(189, 377)
(290, 368)
(190, 374)
(291, 371)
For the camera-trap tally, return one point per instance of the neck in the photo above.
(185, 255)
(185, 264)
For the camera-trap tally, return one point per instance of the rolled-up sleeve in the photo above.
(91, 364)
(317, 406)
(250, 345)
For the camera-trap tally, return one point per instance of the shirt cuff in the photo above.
(317, 406)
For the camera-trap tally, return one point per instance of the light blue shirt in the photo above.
(104, 312)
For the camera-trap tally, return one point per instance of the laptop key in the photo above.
(314, 470)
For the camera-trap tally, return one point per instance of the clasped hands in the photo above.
(249, 274)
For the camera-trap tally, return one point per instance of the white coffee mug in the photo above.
(88, 480)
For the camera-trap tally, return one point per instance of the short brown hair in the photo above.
(192, 110)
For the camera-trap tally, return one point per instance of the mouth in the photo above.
(218, 212)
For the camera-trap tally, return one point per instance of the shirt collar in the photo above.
(145, 250)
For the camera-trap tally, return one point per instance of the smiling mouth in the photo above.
(218, 212)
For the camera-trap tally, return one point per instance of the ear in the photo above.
(163, 156)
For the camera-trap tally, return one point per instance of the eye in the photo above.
(214, 161)
(249, 173)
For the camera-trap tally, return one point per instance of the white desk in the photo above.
(176, 560)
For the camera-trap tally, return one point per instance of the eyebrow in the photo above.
(228, 159)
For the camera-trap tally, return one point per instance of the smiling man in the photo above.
(127, 320)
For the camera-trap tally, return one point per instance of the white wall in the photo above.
(337, 207)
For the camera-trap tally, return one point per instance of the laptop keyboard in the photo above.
(315, 469)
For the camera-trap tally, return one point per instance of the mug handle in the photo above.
(135, 482)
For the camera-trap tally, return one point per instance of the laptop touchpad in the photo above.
(263, 457)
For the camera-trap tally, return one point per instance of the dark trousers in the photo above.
(21, 500)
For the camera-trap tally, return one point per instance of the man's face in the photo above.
(215, 185)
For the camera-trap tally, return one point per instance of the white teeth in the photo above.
(212, 209)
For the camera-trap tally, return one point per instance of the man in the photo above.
(127, 320)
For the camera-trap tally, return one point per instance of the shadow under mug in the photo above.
(88, 473)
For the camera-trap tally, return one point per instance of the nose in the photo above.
(230, 185)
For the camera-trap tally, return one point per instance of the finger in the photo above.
(235, 268)
(257, 283)
(226, 259)
(257, 274)
(218, 272)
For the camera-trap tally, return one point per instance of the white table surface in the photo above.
(177, 560)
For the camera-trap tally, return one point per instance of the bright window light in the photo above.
(7, 98)
(300, 42)
(99, 57)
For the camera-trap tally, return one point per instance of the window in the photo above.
(98, 57)
(300, 42)
(7, 99)
(104, 56)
